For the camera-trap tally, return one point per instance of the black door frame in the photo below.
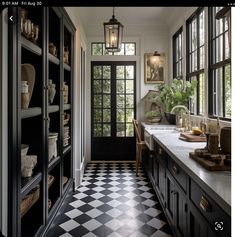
(120, 145)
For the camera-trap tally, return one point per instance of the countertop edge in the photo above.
(216, 197)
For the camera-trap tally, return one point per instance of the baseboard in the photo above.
(79, 175)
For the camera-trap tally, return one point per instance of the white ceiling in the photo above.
(129, 15)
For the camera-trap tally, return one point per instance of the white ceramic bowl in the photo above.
(24, 149)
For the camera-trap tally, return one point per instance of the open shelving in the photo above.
(34, 200)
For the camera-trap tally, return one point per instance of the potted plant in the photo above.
(178, 92)
(153, 116)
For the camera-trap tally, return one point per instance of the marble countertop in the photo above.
(216, 183)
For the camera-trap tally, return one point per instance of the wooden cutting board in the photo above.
(209, 165)
(188, 136)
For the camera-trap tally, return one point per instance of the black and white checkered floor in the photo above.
(113, 202)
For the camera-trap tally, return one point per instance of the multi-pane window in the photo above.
(113, 99)
(102, 100)
(220, 61)
(98, 49)
(196, 58)
(125, 100)
(178, 54)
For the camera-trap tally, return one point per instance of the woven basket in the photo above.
(29, 200)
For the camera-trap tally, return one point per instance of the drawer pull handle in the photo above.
(160, 151)
(204, 204)
(174, 170)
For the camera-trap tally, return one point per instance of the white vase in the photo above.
(25, 100)
(27, 165)
(51, 91)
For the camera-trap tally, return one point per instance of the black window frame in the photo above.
(112, 53)
(175, 46)
(213, 65)
(199, 71)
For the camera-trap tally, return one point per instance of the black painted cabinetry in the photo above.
(52, 177)
(189, 210)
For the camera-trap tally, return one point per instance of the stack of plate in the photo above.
(66, 136)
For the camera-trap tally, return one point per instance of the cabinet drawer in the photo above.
(178, 174)
(160, 154)
(208, 208)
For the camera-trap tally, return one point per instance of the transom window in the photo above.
(98, 49)
(178, 54)
(196, 58)
(220, 65)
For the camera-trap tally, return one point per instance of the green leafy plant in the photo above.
(177, 93)
(153, 114)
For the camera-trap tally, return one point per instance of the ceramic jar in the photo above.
(27, 165)
(66, 93)
(51, 91)
(23, 19)
(24, 87)
(35, 32)
(52, 49)
(24, 95)
(66, 55)
(213, 143)
(52, 146)
(24, 100)
(225, 140)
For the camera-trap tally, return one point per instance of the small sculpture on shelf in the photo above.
(51, 91)
(66, 93)
(66, 118)
(28, 29)
(52, 146)
(28, 75)
(27, 162)
(66, 55)
(24, 95)
(52, 49)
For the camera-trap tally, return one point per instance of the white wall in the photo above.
(80, 41)
(149, 38)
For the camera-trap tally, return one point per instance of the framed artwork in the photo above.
(154, 68)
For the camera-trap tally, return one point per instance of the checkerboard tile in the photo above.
(113, 202)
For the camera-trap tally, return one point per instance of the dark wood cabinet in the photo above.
(189, 210)
(170, 189)
(198, 225)
(176, 206)
(42, 125)
(159, 172)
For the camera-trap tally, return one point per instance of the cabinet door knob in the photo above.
(174, 169)
(160, 151)
(204, 204)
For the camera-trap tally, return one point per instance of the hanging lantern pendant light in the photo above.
(113, 31)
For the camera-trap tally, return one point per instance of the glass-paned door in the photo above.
(113, 108)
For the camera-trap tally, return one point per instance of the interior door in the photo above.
(113, 108)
